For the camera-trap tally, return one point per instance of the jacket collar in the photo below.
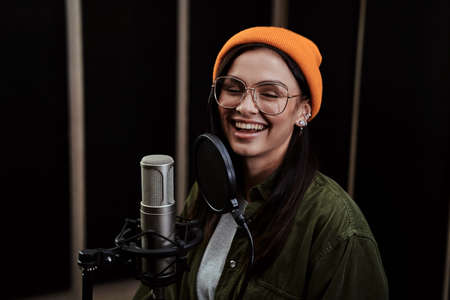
(261, 192)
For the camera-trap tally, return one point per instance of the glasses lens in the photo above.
(271, 98)
(228, 91)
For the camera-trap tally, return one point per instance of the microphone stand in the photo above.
(128, 253)
(93, 260)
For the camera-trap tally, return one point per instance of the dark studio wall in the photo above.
(130, 81)
(402, 171)
(34, 171)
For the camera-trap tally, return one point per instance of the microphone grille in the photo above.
(157, 180)
(156, 193)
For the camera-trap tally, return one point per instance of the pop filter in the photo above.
(215, 174)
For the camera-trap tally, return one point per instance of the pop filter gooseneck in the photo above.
(216, 179)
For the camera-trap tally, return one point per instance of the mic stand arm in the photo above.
(92, 260)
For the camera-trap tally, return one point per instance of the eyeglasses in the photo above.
(269, 97)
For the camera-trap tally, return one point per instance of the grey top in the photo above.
(216, 252)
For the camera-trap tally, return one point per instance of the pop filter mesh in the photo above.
(212, 175)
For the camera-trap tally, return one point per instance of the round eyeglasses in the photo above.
(269, 97)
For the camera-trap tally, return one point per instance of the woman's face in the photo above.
(269, 137)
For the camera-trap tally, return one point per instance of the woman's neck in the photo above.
(256, 171)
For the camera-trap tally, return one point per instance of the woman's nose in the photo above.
(247, 104)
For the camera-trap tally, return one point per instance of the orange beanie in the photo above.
(302, 50)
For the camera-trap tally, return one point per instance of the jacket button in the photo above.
(233, 264)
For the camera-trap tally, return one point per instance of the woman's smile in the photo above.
(246, 129)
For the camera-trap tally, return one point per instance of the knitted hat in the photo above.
(302, 50)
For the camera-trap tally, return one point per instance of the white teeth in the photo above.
(249, 126)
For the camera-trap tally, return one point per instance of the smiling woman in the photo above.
(311, 239)
(262, 150)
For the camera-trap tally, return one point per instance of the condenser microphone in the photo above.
(158, 211)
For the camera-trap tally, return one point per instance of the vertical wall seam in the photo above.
(356, 97)
(280, 13)
(182, 101)
(76, 136)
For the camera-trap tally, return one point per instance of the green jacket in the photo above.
(330, 253)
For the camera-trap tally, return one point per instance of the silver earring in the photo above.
(301, 123)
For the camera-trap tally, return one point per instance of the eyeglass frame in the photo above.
(252, 94)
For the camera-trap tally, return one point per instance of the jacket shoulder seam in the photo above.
(332, 245)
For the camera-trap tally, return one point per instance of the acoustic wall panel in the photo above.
(35, 159)
(403, 150)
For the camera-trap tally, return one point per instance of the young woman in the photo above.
(311, 239)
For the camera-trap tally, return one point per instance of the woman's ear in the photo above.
(303, 114)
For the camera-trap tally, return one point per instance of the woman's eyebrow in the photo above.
(271, 81)
(260, 82)
(236, 77)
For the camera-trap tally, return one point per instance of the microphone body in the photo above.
(158, 210)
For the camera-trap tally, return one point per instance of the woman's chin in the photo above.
(244, 150)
